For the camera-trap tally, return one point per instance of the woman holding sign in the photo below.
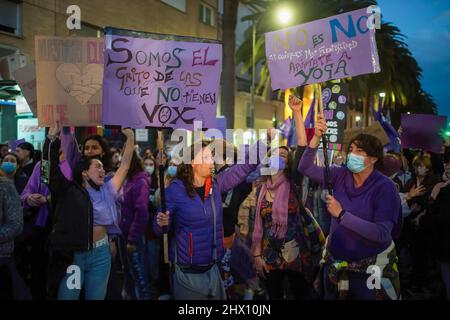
(281, 247)
(194, 221)
(84, 212)
(359, 261)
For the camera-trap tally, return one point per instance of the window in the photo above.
(177, 4)
(206, 14)
(11, 17)
(88, 30)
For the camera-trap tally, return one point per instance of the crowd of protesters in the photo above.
(87, 222)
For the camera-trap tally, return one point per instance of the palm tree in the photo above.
(229, 53)
(400, 74)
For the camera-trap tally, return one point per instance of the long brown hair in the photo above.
(136, 165)
(185, 172)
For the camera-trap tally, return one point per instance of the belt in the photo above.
(101, 242)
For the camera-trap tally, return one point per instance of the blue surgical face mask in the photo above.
(172, 171)
(355, 163)
(276, 163)
(150, 169)
(8, 167)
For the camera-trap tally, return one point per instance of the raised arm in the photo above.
(232, 177)
(307, 165)
(122, 172)
(296, 106)
(69, 147)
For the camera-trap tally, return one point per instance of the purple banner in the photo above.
(336, 47)
(160, 83)
(422, 131)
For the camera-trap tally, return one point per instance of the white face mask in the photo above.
(446, 176)
(422, 171)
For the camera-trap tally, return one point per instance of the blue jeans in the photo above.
(94, 266)
(136, 280)
(153, 260)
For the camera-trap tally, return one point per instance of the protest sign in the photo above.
(26, 78)
(422, 131)
(160, 81)
(334, 96)
(69, 74)
(336, 47)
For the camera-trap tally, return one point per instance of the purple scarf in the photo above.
(279, 208)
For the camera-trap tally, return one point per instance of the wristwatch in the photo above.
(341, 214)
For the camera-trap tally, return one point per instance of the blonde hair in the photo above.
(422, 159)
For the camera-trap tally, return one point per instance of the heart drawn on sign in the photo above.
(81, 85)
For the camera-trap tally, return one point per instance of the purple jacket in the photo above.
(191, 221)
(372, 218)
(34, 184)
(135, 213)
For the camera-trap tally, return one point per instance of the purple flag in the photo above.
(394, 144)
(309, 120)
(422, 131)
(160, 83)
(336, 47)
(285, 127)
(14, 143)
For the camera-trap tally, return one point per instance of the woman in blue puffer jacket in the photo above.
(194, 221)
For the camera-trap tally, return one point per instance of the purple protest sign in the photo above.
(422, 131)
(221, 125)
(160, 83)
(336, 47)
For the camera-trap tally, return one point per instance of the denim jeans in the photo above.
(153, 260)
(136, 279)
(94, 266)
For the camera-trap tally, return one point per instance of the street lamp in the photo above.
(358, 119)
(284, 15)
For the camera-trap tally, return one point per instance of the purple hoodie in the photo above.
(135, 213)
(191, 220)
(34, 184)
(372, 217)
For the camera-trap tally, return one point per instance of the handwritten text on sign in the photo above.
(69, 74)
(160, 83)
(332, 48)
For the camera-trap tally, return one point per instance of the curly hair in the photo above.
(371, 145)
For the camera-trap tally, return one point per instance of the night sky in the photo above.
(426, 23)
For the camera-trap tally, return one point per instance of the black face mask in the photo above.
(93, 185)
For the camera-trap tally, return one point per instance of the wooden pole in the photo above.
(162, 188)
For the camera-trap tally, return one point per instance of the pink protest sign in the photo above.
(336, 47)
(69, 75)
(160, 83)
